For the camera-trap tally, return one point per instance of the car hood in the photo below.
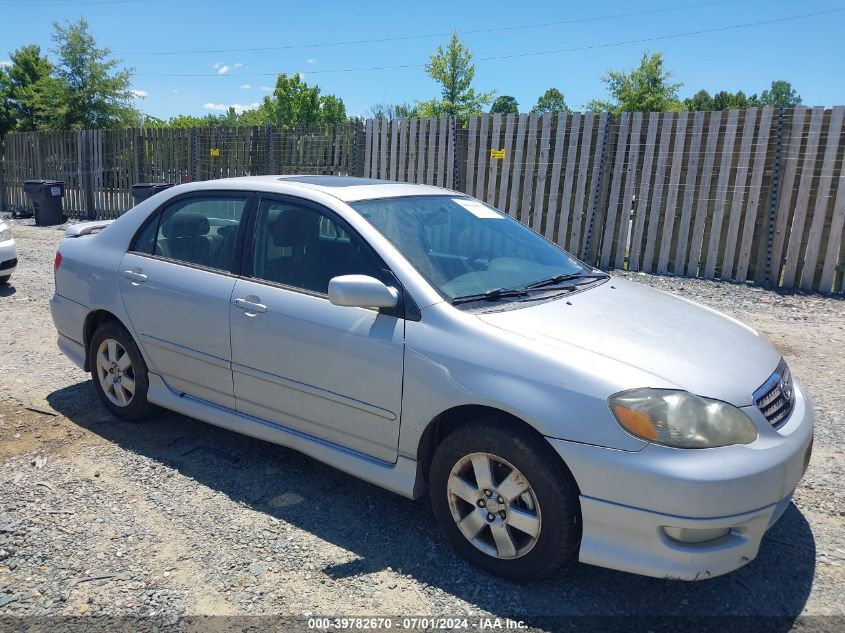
(675, 340)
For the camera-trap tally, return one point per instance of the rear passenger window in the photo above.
(301, 247)
(200, 231)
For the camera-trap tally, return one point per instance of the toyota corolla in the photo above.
(425, 342)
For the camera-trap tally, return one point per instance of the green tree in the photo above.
(780, 95)
(701, 101)
(646, 88)
(453, 69)
(722, 100)
(405, 110)
(22, 85)
(551, 101)
(184, 121)
(148, 120)
(505, 104)
(90, 90)
(231, 118)
(332, 109)
(380, 111)
(256, 116)
(392, 111)
(294, 102)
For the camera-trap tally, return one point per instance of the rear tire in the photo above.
(119, 372)
(504, 500)
(5, 279)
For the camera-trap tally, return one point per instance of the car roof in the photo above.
(346, 188)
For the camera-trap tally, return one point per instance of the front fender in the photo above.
(453, 362)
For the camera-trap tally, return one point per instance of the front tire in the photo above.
(5, 279)
(504, 500)
(119, 372)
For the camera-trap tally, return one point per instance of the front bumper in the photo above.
(8, 257)
(628, 498)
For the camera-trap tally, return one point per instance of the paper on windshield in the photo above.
(477, 209)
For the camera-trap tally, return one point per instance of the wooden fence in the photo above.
(748, 195)
(99, 166)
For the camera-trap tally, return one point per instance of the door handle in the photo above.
(250, 306)
(135, 276)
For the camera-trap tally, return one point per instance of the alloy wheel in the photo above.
(494, 506)
(115, 371)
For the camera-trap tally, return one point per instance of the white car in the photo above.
(8, 252)
(423, 341)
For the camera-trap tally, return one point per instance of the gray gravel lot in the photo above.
(173, 517)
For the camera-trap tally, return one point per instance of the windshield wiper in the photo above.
(500, 293)
(491, 295)
(557, 279)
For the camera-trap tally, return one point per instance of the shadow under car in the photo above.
(385, 530)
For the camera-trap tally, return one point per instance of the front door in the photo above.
(177, 282)
(298, 360)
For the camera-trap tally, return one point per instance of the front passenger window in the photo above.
(200, 231)
(298, 246)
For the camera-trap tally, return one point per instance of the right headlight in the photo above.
(681, 419)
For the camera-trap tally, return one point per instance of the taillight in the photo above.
(57, 261)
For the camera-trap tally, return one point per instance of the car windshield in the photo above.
(465, 248)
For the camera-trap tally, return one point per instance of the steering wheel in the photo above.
(479, 260)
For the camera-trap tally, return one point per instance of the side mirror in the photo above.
(361, 291)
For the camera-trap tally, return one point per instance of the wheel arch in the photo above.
(447, 421)
(93, 321)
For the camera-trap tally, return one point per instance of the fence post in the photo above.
(354, 149)
(456, 168)
(597, 194)
(86, 173)
(3, 202)
(195, 155)
(271, 150)
(777, 167)
(138, 157)
(359, 141)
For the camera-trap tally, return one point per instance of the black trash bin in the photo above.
(143, 190)
(47, 196)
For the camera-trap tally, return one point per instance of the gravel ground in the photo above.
(173, 517)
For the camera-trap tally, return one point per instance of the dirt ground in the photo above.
(173, 517)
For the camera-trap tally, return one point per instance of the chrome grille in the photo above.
(776, 397)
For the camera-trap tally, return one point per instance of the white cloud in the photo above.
(175, 91)
(266, 88)
(302, 76)
(312, 61)
(238, 65)
(218, 64)
(4, 63)
(223, 70)
(140, 94)
(224, 107)
(245, 86)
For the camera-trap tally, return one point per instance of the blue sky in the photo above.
(808, 52)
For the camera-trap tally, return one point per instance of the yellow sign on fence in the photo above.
(215, 151)
(497, 153)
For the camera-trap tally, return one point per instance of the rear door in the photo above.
(329, 371)
(176, 282)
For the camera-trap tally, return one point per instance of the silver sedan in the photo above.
(423, 341)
